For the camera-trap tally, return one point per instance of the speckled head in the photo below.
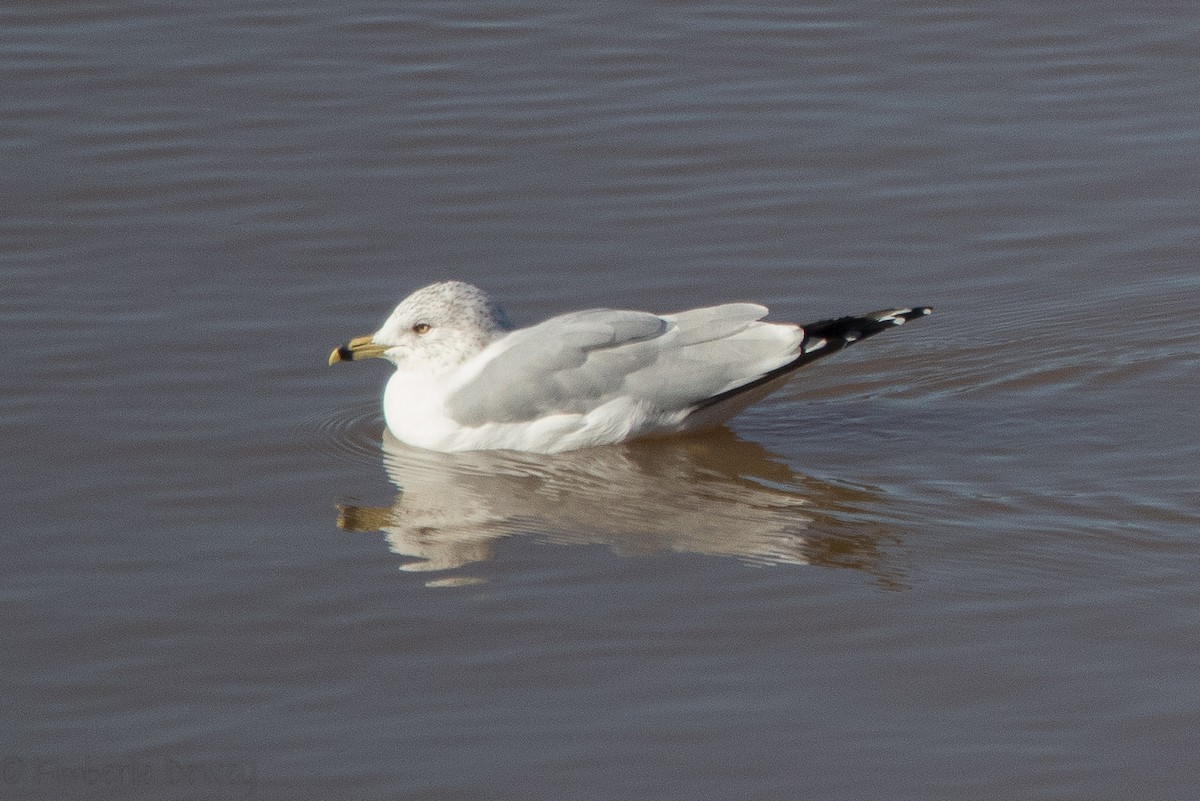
(441, 325)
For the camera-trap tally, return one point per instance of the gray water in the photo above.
(956, 562)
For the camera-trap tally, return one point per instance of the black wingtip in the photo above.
(842, 331)
(826, 337)
(906, 315)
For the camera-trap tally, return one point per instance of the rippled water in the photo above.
(956, 561)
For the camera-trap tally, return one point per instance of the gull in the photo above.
(466, 379)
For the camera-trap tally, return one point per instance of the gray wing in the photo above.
(576, 362)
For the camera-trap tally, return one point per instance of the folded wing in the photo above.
(577, 362)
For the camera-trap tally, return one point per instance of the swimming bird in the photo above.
(467, 379)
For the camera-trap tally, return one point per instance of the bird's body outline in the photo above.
(467, 379)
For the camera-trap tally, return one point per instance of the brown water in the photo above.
(956, 562)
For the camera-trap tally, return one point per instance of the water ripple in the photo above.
(351, 433)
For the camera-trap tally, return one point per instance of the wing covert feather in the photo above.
(576, 362)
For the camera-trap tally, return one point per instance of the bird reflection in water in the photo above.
(712, 494)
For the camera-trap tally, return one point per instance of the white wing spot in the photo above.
(816, 344)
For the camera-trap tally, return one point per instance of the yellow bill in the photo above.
(357, 348)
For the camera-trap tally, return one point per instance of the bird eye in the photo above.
(421, 328)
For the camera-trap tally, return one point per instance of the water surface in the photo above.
(954, 562)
